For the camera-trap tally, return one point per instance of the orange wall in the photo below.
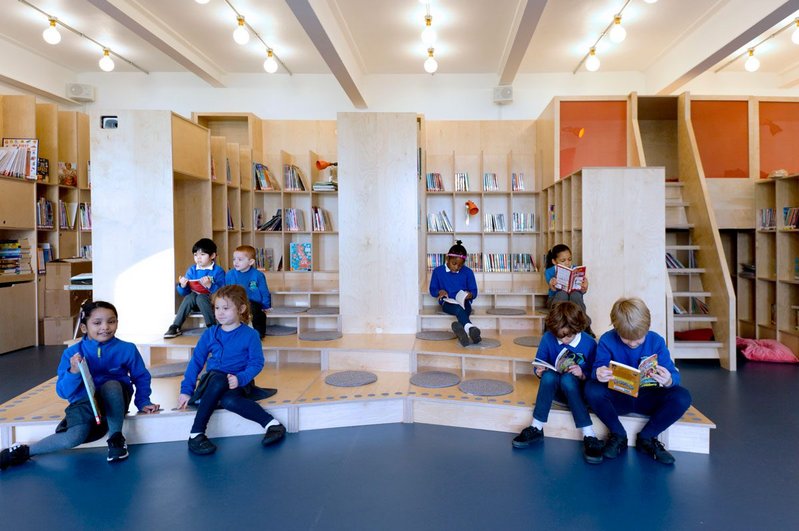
(722, 136)
(779, 137)
(604, 140)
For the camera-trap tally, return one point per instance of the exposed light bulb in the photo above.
(106, 63)
(202, 1)
(430, 64)
(592, 61)
(51, 34)
(795, 34)
(753, 63)
(270, 65)
(429, 35)
(617, 32)
(240, 34)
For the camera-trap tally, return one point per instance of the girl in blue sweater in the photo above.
(447, 282)
(232, 355)
(116, 368)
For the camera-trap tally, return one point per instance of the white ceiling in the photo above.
(356, 38)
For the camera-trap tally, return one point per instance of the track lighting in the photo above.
(240, 34)
(430, 64)
(51, 34)
(106, 63)
(270, 65)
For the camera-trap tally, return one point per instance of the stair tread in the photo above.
(682, 247)
(691, 294)
(695, 317)
(675, 184)
(698, 344)
(680, 226)
(685, 270)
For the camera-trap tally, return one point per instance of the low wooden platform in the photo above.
(304, 401)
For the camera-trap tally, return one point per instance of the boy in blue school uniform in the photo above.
(660, 396)
(201, 281)
(253, 281)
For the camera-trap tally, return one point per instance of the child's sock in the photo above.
(537, 424)
(467, 326)
(273, 422)
(193, 435)
(588, 431)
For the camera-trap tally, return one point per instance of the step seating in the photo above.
(304, 402)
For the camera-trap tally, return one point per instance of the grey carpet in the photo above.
(350, 378)
(194, 331)
(506, 311)
(528, 341)
(485, 387)
(486, 343)
(281, 310)
(320, 335)
(169, 369)
(280, 330)
(435, 335)
(435, 379)
(324, 310)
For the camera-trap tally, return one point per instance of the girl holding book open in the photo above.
(560, 257)
(455, 287)
(113, 368)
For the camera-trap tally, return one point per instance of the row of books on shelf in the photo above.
(293, 178)
(490, 262)
(320, 219)
(214, 175)
(672, 262)
(293, 219)
(494, 223)
(15, 257)
(438, 222)
(791, 217)
(18, 161)
(300, 258)
(697, 307)
(263, 178)
(434, 182)
(69, 214)
(767, 219)
(747, 270)
(521, 222)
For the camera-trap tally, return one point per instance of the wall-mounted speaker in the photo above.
(80, 92)
(503, 94)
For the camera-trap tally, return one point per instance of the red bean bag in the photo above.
(765, 350)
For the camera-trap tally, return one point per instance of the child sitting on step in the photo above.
(456, 282)
(116, 367)
(563, 363)
(659, 396)
(232, 356)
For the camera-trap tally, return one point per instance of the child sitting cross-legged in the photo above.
(563, 363)
(232, 356)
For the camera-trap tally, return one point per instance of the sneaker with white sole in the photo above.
(173, 331)
(117, 448)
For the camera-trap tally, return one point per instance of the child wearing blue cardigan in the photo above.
(446, 282)
(116, 368)
(232, 356)
(566, 347)
(660, 396)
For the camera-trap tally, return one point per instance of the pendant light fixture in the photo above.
(106, 63)
(51, 34)
(429, 35)
(240, 34)
(617, 32)
(430, 64)
(270, 65)
(592, 61)
(752, 63)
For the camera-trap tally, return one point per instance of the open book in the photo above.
(460, 299)
(569, 279)
(88, 383)
(566, 358)
(197, 287)
(629, 380)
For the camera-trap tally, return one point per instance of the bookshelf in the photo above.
(488, 167)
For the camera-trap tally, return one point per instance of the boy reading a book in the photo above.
(563, 362)
(660, 395)
(455, 287)
(253, 281)
(198, 284)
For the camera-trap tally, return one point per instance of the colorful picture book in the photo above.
(19, 157)
(569, 279)
(629, 380)
(300, 256)
(67, 173)
(566, 358)
(197, 287)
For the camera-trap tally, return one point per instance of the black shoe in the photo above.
(201, 445)
(16, 455)
(174, 331)
(528, 436)
(273, 434)
(592, 450)
(461, 334)
(117, 449)
(654, 449)
(616, 444)
(474, 334)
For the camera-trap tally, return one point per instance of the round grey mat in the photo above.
(320, 335)
(288, 309)
(485, 387)
(435, 335)
(350, 378)
(194, 331)
(435, 379)
(528, 341)
(487, 342)
(280, 330)
(506, 311)
(169, 369)
(323, 310)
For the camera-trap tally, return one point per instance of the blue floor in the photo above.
(430, 477)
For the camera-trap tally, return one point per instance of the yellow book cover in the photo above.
(629, 380)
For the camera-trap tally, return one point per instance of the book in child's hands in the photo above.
(197, 287)
(88, 383)
(566, 358)
(629, 380)
(569, 278)
(460, 299)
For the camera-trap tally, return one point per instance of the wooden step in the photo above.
(671, 203)
(695, 318)
(690, 294)
(698, 345)
(682, 247)
(680, 226)
(674, 184)
(685, 270)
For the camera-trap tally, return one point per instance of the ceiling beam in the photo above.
(319, 22)
(522, 34)
(790, 78)
(150, 28)
(731, 27)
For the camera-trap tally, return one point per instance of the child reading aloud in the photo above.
(455, 287)
(198, 284)
(660, 395)
(253, 281)
(232, 356)
(115, 368)
(563, 362)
